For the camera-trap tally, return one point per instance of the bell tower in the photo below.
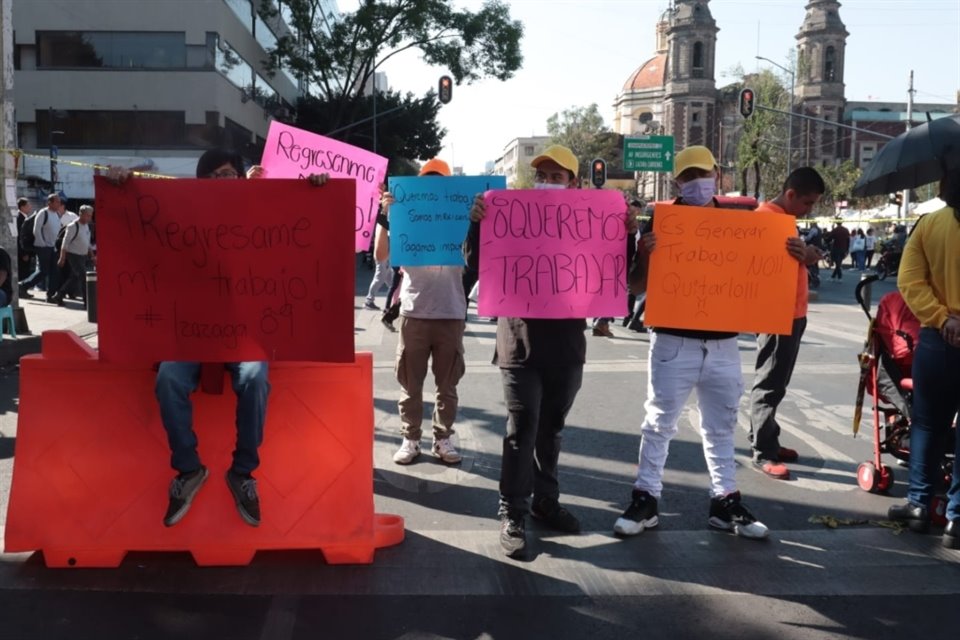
(690, 102)
(821, 45)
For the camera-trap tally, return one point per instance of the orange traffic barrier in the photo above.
(91, 471)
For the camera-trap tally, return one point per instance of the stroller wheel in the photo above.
(867, 477)
(885, 481)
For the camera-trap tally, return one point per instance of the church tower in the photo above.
(690, 105)
(821, 44)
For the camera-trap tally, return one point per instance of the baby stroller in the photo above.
(885, 374)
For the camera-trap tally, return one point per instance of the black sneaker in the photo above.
(388, 324)
(513, 535)
(729, 514)
(244, 490)
(556, 517)
(916, 518)
(183, 489)
(641, 514)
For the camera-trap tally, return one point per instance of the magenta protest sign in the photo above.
(553, 254)
(295, 153)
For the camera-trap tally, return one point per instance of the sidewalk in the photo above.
(43, 316)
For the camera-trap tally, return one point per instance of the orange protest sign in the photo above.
(721, 270)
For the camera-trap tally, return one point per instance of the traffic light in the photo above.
(745, 102)
(598, 173)
(445, 92)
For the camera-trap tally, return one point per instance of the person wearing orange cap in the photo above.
(433, 309)
(681, 360)
(541, 367)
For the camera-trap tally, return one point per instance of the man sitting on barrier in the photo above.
(177, 380)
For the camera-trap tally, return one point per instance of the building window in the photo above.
(830, 65)
(234, 67)
(697, 71)
(867, 152)
(118, 129)
(528, 150)
(111, 49)
(244, 11)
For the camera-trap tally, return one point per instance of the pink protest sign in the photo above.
(295, 153)
(553, 254)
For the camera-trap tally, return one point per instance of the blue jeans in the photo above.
(936, 389)
(47, 274)
(177, 380)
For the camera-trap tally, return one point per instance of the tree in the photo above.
(582, 130)
(338, 59)
(408, 130)
(763, 144)
(524, 179)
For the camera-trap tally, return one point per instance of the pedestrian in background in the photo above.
(858, 244)
(74, 252)
(869, 246)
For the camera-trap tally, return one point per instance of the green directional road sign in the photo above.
(648, 153)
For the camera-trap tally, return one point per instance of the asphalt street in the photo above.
(448, 579)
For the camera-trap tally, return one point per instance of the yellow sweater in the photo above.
(929, 277)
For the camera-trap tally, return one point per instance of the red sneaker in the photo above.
(776, 470)
(787, 455)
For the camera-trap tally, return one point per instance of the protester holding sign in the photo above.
(432, 311)
(541, 365)
(681, 360)
(177, 380)
(777, 354)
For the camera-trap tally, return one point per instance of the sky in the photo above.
(579, 52)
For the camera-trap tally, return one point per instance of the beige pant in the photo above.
(442, 342)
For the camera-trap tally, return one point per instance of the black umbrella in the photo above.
(914, 158)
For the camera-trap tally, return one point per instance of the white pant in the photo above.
(677, 366)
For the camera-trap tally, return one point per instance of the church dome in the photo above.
(652, 74)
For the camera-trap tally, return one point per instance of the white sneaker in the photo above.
(407, 452)
(445, 450)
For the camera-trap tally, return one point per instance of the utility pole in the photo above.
(902, 212)
(8, 177)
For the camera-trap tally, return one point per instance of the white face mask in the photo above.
(698, 192)
(548, 185)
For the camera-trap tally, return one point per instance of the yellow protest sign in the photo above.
(721, 270)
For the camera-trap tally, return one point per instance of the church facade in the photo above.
(675, 93)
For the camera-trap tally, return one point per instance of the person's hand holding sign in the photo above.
(477, 211)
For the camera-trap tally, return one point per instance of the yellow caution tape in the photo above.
(20, 153)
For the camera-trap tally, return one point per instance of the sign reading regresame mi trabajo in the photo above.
(553, 254)
(295, 153)
(721, 270)
(225, 270)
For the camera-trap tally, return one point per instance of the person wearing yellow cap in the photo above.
(432, 311)
(541, 367)
(681, 360)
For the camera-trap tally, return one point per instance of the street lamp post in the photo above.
(53, 149)
(793, 84)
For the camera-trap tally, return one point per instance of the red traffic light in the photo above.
(745, 102)
(598, 173)
(445, 92)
